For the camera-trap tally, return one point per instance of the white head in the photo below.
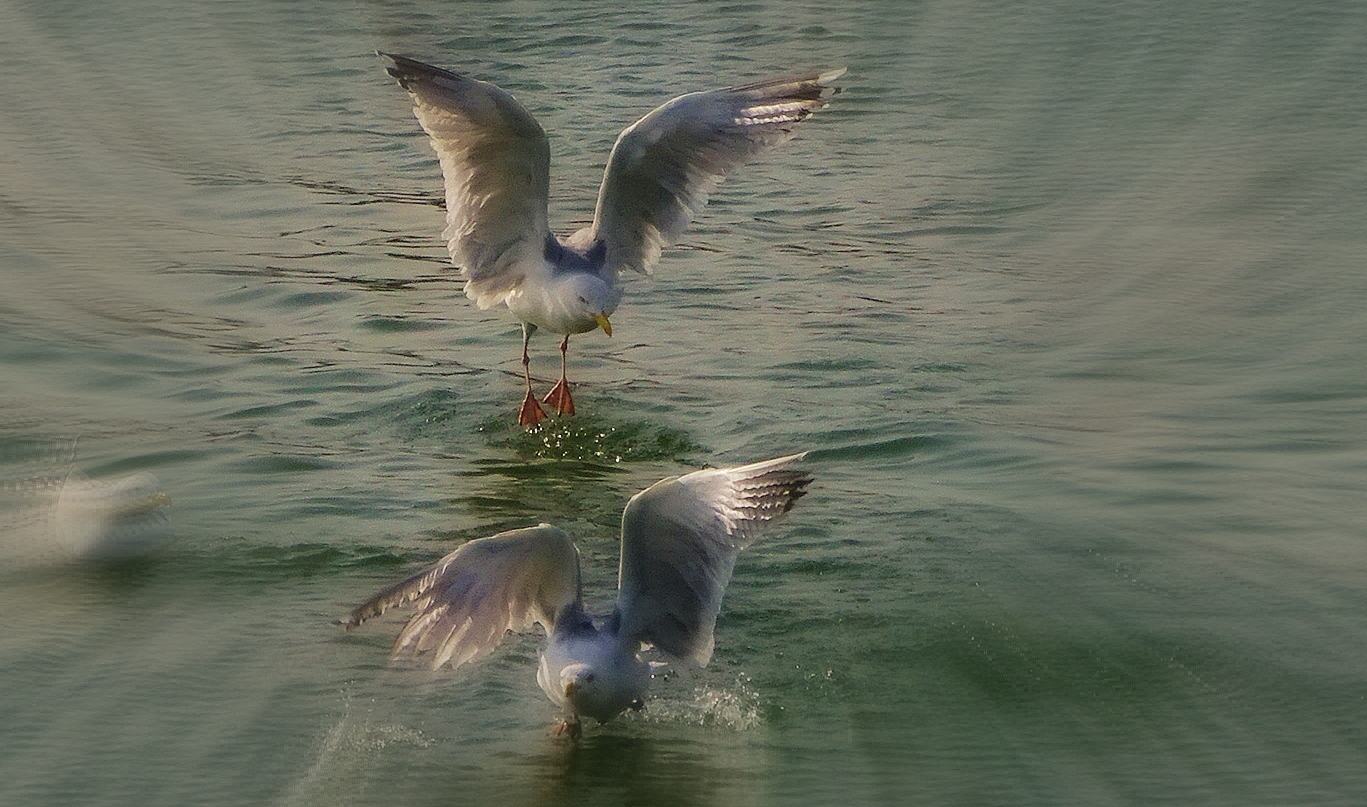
(600, 694)
(588, 301)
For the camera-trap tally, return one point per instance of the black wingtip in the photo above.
(355, 618)
(395, 66)
(395, 60)
(407, 70)
(798, 490)
(779, 489)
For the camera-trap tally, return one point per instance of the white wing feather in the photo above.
(496, 162)
(469, 599)
(680, 539)
(663, 167)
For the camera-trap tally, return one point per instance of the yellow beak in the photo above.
(602, 320)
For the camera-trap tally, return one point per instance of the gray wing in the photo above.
(496, 162)
(663, 167)
(473, 596)
(680, 539)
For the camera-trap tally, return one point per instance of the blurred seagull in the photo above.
(111, 519)
(496, 162)
(51, 513)
(680, 539)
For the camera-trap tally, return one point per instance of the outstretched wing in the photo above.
(496, 161)
(664, 165)
(473, 596)
(680, 539)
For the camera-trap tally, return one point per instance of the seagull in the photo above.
(680, 539)
(495, 159)
(51, 513)
(111, 519)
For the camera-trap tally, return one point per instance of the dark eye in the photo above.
(588, 678)
(583, 300)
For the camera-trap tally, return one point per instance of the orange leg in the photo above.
(569, 728)
(559, 396)
(531, 413)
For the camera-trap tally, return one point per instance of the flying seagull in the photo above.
(680, 539)
(496, 162)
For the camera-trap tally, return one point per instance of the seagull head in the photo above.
(602, 692)
(580, 683)
(589, 301)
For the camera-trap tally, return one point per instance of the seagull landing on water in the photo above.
(496, 162)
(680, 539)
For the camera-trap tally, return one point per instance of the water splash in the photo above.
(735, 706)
(591, 438)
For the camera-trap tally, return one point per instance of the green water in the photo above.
(1066, 301)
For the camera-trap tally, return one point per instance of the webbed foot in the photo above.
(559, 397)
(531, 413)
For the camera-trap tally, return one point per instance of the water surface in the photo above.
(1066, 301)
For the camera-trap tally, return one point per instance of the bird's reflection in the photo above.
(638, 769)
